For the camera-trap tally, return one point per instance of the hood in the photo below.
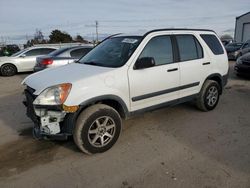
(65, 74)
(231, 49)
(245, 57)
(5, 58)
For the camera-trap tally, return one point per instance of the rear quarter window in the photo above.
(213, 43)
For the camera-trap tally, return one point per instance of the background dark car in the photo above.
(232, 48)
(245, 48)
(8, 50)
(242, 66)
(61, 57)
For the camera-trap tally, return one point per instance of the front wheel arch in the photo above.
(113, 101)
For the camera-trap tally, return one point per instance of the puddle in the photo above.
(26, 132)
(23, 154)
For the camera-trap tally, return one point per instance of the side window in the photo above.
(189, 47)
(45, 51)
(213, 43)
(33, 52)
(159, 48)
(39, 51)
(79, 52)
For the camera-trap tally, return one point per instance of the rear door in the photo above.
(159, 84)
(194, 65)
(28, 60)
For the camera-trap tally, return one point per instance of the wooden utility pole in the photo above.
(96, 30)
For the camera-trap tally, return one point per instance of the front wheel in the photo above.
(97, 129)
(8, 70)
(209, 96)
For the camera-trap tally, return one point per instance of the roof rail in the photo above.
(177, 29)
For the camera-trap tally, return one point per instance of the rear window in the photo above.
(79, 52)
(213, 43)
(59, 51)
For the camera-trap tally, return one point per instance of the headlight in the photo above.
(236, 53)
(54, 95)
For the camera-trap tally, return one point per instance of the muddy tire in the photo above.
(209, 96)
(8, 70)
(97, 129)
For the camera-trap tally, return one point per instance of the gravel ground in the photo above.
(172, 147)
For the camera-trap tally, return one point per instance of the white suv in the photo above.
(123, 76)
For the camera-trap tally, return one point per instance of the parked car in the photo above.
(225, 42)
(245, 48)
(232, 48)
(23, 60)
(61, 57)
(242, 66)
(8, 50)
(123, 76)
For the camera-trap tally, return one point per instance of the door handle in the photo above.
(207, 63)
(171, 70)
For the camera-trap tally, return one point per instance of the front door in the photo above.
(158, 84)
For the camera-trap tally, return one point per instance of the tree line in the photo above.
(56, 36)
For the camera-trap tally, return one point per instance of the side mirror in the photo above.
(144, 62)
(23, 55)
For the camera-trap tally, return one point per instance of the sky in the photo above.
(19, 19)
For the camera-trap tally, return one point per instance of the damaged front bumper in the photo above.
(48, 120)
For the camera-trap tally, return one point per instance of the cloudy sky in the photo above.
(20, 18)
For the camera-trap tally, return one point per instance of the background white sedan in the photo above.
(23, 60)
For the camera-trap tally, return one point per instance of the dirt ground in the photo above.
(172, 147)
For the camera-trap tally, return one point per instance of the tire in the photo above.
(8, 70)
(97, 129)
(209, 96)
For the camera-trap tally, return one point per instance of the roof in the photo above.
(242, 15)
(38, 47)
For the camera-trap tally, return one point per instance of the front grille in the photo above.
(30, 97)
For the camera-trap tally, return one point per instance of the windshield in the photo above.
(113, 52)
(18, 53)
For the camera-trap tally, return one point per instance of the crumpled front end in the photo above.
(47, 119)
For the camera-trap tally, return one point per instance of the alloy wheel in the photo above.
(101, 131)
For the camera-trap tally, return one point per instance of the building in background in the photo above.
(242, 28)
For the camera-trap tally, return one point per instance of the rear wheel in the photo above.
(8, 70)
(209, 96)
(97, 129)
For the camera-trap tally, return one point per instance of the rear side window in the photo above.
(79, 52)
(189, 47)
(45, 51)
(39, 51)
(213, 43)
(159, 48)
